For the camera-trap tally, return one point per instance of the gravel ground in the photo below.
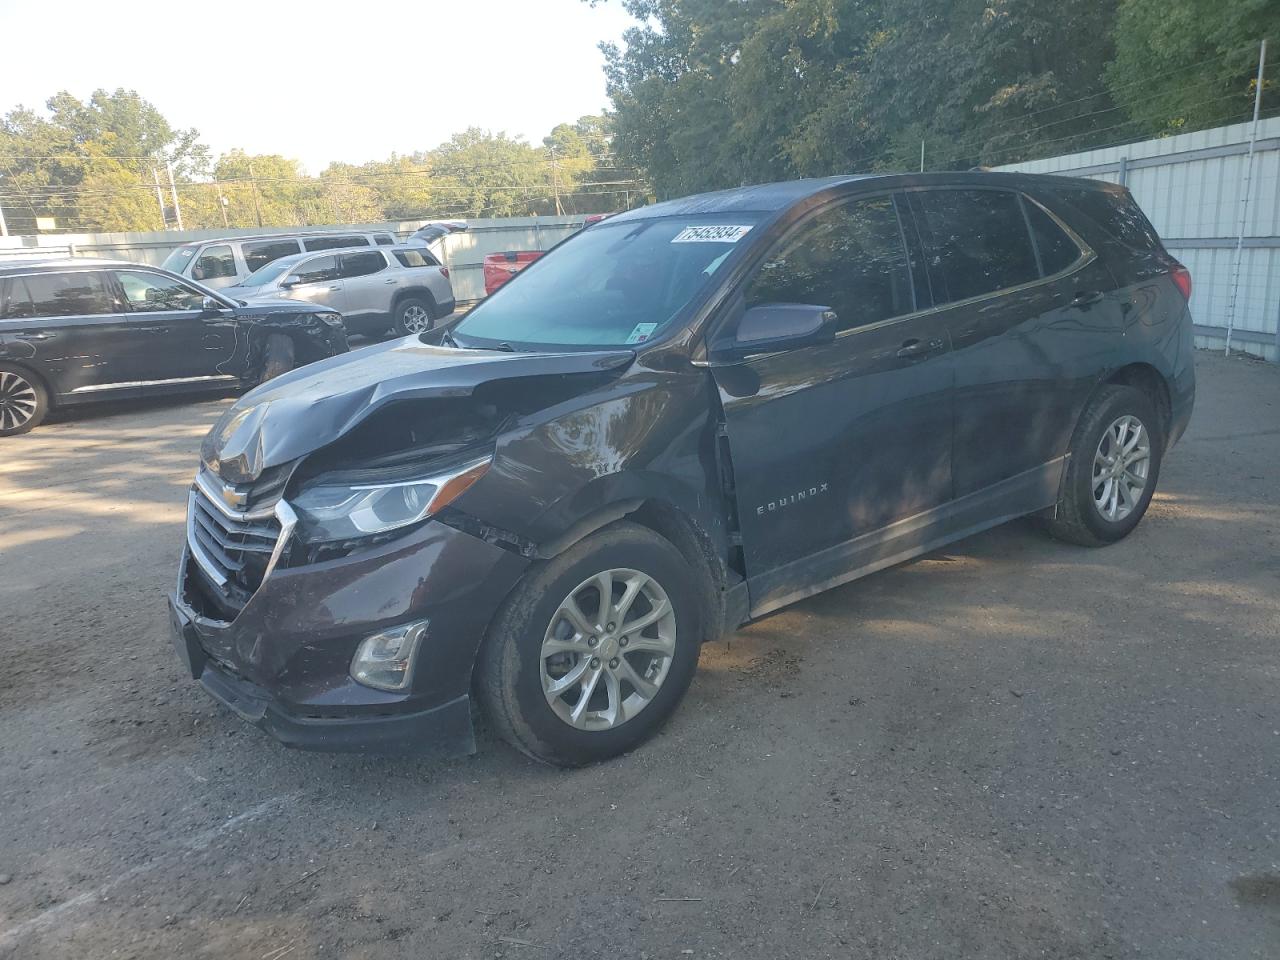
(1015, 748)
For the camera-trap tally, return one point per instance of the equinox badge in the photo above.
(790, 499)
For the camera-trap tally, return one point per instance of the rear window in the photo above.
(79, 294)
(1116, 213)
(262, 252)
(415, 258)
(384, 239)
(333, 243)
(980, 242)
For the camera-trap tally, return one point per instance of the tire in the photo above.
(514, 666)
(277, 356)
(1097, 507)
(24, 401)
(413, 315)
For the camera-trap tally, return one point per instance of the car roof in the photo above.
(293, 235)
(45, 264)
(774, 197)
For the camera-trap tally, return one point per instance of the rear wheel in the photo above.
(23, 401)
(1114, 466)
(595, 649)
(413, 315)
(277, 356)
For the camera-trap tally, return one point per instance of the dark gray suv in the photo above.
(77, 331)
(678, 420)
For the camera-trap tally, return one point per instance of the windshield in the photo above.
(617, 284)
(265, 274)
(178, 259)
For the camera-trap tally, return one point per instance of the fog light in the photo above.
(385, 660)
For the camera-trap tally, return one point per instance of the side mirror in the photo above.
(209, 307)
(783, 326)
(288, 283)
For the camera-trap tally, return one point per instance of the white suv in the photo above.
(402, 287)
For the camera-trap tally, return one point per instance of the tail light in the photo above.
(444, 272)
(1182, 280)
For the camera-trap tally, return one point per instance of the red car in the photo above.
(501, 267)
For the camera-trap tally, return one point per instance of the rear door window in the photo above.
(850, 258)
(214, 262)
(333, 243)
(978, 242)
(362, 264)
(81, 294)
(319, 270)
(415, 258)
(152, 292)
(261, 252)
(1056, 249)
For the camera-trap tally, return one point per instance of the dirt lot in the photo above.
(1013, 749)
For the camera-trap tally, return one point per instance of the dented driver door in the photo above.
(833, 443)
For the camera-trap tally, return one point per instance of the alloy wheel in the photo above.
(18, 401)
(1120, 468)
(608, 649)
(416, 319)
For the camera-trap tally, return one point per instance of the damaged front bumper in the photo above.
(283, 663)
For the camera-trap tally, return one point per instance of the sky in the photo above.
(317, 80)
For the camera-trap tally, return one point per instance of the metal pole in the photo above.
(222, 204)
(1244, 200)
(253, 182)
(173, 190)
(155, 177)
(922, 156)
(4, 227)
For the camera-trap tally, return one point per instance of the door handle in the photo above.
(33, 336)
(1086, 297)
(918, 348)
(389, 280)
(335, 287)
(155, 330)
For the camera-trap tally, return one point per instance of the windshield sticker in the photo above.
(642, 332)
(711, 233)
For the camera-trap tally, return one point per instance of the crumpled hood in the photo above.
(308, 408)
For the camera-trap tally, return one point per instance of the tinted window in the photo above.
(148, 292)
(318, 270)
(1118, 214)
(850, 258)
(333, 243)
(69, 294)
(15, 300)
(415, 258)
(262, 252)
(384, 240)
(362, 264)
(1057, 250)
(214, 262)
(980, 242)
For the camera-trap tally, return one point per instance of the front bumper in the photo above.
(282, 664)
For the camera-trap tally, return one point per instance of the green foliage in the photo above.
(710, 94)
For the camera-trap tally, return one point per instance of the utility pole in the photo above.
(922, 156)
(222, 204)
(253, 183)
(4, 227)
(155, 177)
(1244, 198)
(555, 181)
(173, 190)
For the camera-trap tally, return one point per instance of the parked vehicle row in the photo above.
(679, 420)
(76, 331)
(224, 262)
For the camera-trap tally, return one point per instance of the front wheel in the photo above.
(23, 401)
(595, 649)
(1112, 473)
(413, 315)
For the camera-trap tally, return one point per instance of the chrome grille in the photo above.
(234, 549)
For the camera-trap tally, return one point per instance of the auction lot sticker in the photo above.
(711, 233)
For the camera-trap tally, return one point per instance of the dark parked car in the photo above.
(681, 419)
(77, 331)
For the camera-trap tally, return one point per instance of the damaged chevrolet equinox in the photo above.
(681, 419)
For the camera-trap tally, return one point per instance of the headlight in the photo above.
(349, 511)
(332, 319)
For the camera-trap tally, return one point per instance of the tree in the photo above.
(1189, 64)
